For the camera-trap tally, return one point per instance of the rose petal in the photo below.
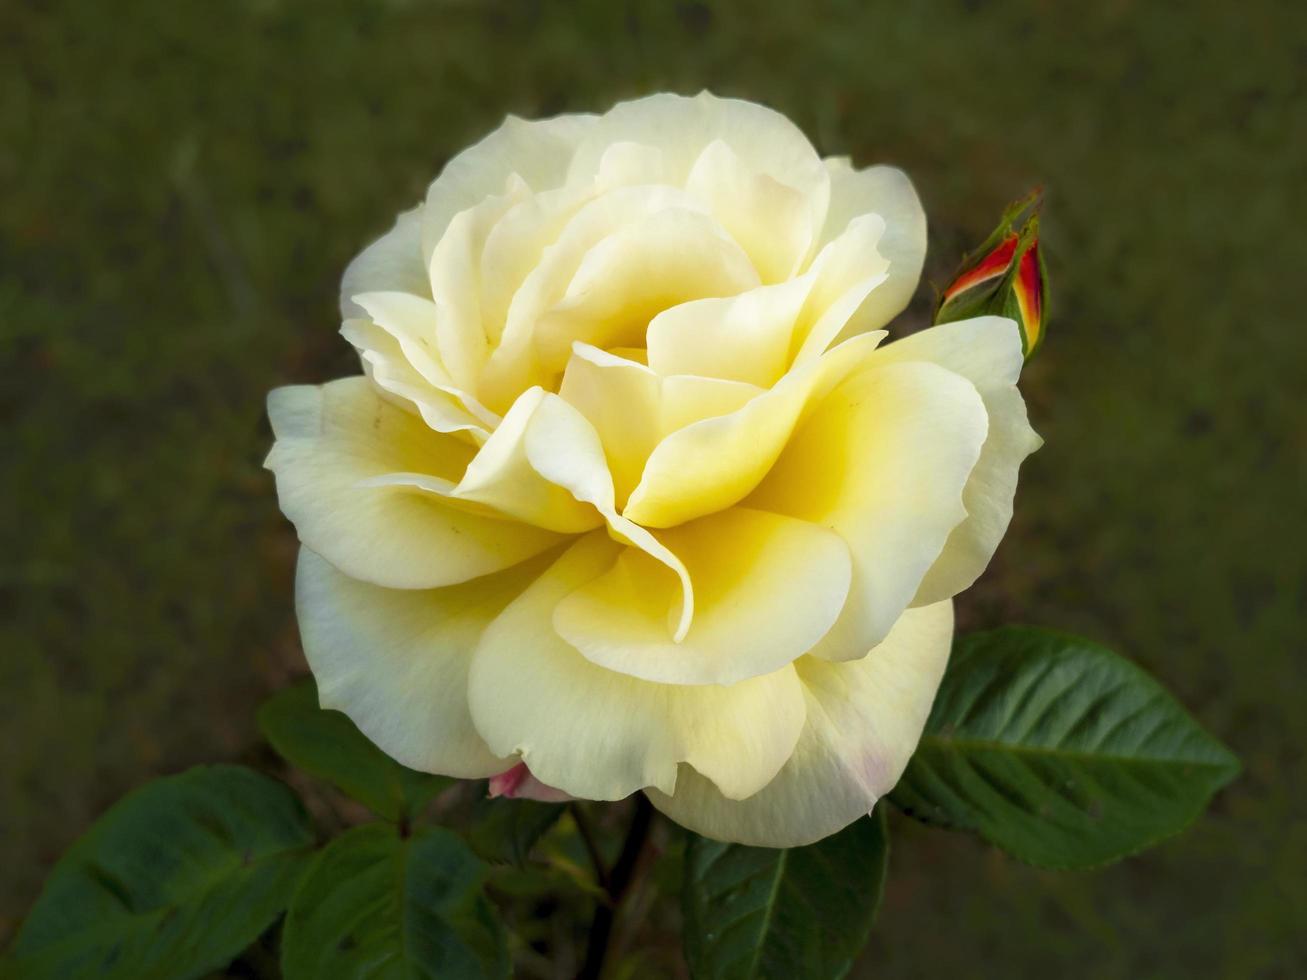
(882, 460)
(766, 588)
(601, 735)
(987, 352)
(864, 719)
(333, 438)
(396, 661)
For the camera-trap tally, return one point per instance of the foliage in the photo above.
(175, 880)
(803, 912)
(1049, 745)
(1059, 751)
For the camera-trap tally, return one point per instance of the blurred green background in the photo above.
(182, 184)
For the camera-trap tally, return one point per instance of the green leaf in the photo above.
(504, 830)
(804, 912)
(172, 882)
(327, 744)
(378, 905)
(1059, 751)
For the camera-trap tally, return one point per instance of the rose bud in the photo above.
(1006, 276)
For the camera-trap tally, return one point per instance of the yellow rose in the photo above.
(630, 494)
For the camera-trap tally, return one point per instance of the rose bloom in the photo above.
(631, 496)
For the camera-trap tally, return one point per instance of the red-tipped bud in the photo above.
(1005, 276)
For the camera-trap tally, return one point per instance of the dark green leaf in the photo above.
(378, 905)
(504, 830)
(1059, 751)
(803, 912)
(327, 744)
(172, 882)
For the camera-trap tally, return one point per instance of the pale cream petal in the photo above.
(623, 401)
(516, 244)
(688, 398)
(682, 128)
(601, 735)
(538, 151)
(626, 163)
(501, 476)
(333, 438)
(845, 272)
(987, 352)
(632, 408)
(565, 449)
(636, 272)
(710, 465)
(392, 263)
(456, 284)
(387, 367)
(766, 588)
(740, 338)
(772, 222)
(414, 323)
(396, 660)
(864, 720)
(514, 365)
(887, 192)
(882, 460)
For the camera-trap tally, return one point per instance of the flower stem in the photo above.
(591, 845)
(618, 883)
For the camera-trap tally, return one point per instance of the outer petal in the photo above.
(882, 460)
(601, 735)
(864, 721)
(766, 588)
(888, 192)
(682, 128)
(392, 263)
(396, 661)
(333, 438)
(987, 352)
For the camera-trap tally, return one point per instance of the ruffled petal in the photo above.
(864, 720)
(887, 192)
(332, 440)
(601, 735)
(772, 222)
(538, 151)
(738, 338)
(766, 588)
(396, 661)
(636, 272)
(682, 128)
(387, 366)
(882, 460)
(392, 263)
(632, 408)
(456, 284)
(515, 365)
(987, 352)
(710, 465)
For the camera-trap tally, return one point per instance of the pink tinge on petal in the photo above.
(518, 784)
